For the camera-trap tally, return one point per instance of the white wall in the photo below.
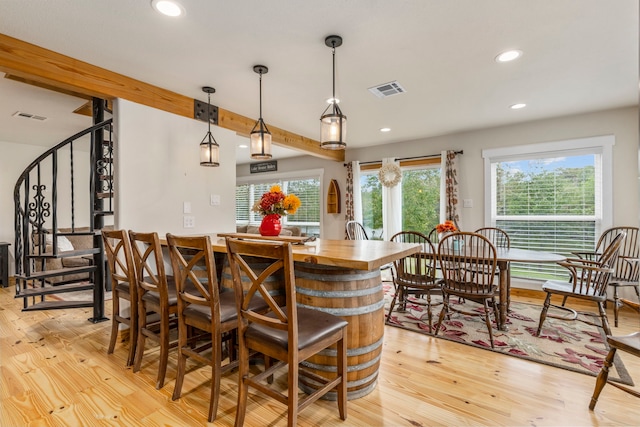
(158, 168)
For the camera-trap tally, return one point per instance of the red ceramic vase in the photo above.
(270, 225)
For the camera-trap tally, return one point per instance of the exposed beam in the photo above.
(32, 63)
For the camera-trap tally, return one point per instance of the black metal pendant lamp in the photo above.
(333, 124)
(209, 148)
(260, 135)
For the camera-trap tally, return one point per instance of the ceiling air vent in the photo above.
(387, 89)
(29, 116)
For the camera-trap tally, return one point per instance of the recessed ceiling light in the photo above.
(517, 106)
(509, 55)
(243, 146)
(168, 7)
(385, 129)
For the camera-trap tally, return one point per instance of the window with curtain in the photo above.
(552, 200)
(307, 188)
(420, 196)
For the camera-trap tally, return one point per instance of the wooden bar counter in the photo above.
(342, 277)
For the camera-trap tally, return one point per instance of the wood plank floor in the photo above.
(55, 372)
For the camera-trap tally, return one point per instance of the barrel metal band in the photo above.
(339, 294)
(347, 311)
(365, 275)
(358, 351)
(350, 368)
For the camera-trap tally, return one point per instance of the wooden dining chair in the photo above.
(117, 247)
(588, 282)
(156, 294)
(355, 231)
(469, 273)
(629, 344)
(627, 268)
(415, 274)
(289, 334)
(500, 239)
(202, 307)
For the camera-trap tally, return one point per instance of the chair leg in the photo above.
(292, 395)
(164, 351)
(603, 318)
(182, 362)
(393, 302)
(243, 387)
(429, 309)
(602, 377)
(616, 305)
(142, 324)
(342, 371)
(543, 313)
(487, 318)
(114, 323)
(216, 355)
(133, 334)
(445, 310)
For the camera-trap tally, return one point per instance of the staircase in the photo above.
(63, 196)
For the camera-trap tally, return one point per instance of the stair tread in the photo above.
(57, 305)
(50, 290)
(66, 254)
(58, 272)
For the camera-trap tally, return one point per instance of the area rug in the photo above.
(570, 345)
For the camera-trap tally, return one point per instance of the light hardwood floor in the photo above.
(55, 372)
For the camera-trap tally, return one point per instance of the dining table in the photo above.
(505, 256)
(340, 277)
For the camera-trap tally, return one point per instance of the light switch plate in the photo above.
(188, 221)
(215, 200)
(186, 207)
(467, 203)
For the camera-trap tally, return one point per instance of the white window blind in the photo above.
(549, 200)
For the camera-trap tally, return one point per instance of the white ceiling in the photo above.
(579, 56)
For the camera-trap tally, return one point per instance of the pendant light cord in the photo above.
(260, 95)
(333, 52)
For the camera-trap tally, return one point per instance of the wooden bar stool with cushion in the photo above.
(156, 294)
(588, 282)
(289, 334)
(201, 306)
(629, 344)
(123, 285)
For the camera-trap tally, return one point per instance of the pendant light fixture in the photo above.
(260, 135)
(333, 124)
(209, 148)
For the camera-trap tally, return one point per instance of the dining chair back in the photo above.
(290, 333)
(157, 295)
(355, 231)
(500, 239)
(117, 247)
(415, 274)
(469, 272)
(627, 267)
(202, 307)
(588, 282)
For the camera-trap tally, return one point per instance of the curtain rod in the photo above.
(408, 158)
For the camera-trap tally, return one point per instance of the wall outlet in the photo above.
(188, 221)
(215, 200)
(467, 203)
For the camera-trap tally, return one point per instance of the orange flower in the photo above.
(447, 226)
(276, 202)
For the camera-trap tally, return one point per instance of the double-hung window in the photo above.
(306, 185)
(552, 197)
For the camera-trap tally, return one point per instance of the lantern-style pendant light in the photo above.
(260, 135)
(333, 124)
(209, 148)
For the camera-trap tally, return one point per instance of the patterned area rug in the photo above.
(570, 345)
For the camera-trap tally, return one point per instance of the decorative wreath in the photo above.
(390, 175)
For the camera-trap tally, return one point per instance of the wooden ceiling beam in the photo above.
(31, 63)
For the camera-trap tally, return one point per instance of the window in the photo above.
(553, 197)
(306, 186)
(420, 197)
